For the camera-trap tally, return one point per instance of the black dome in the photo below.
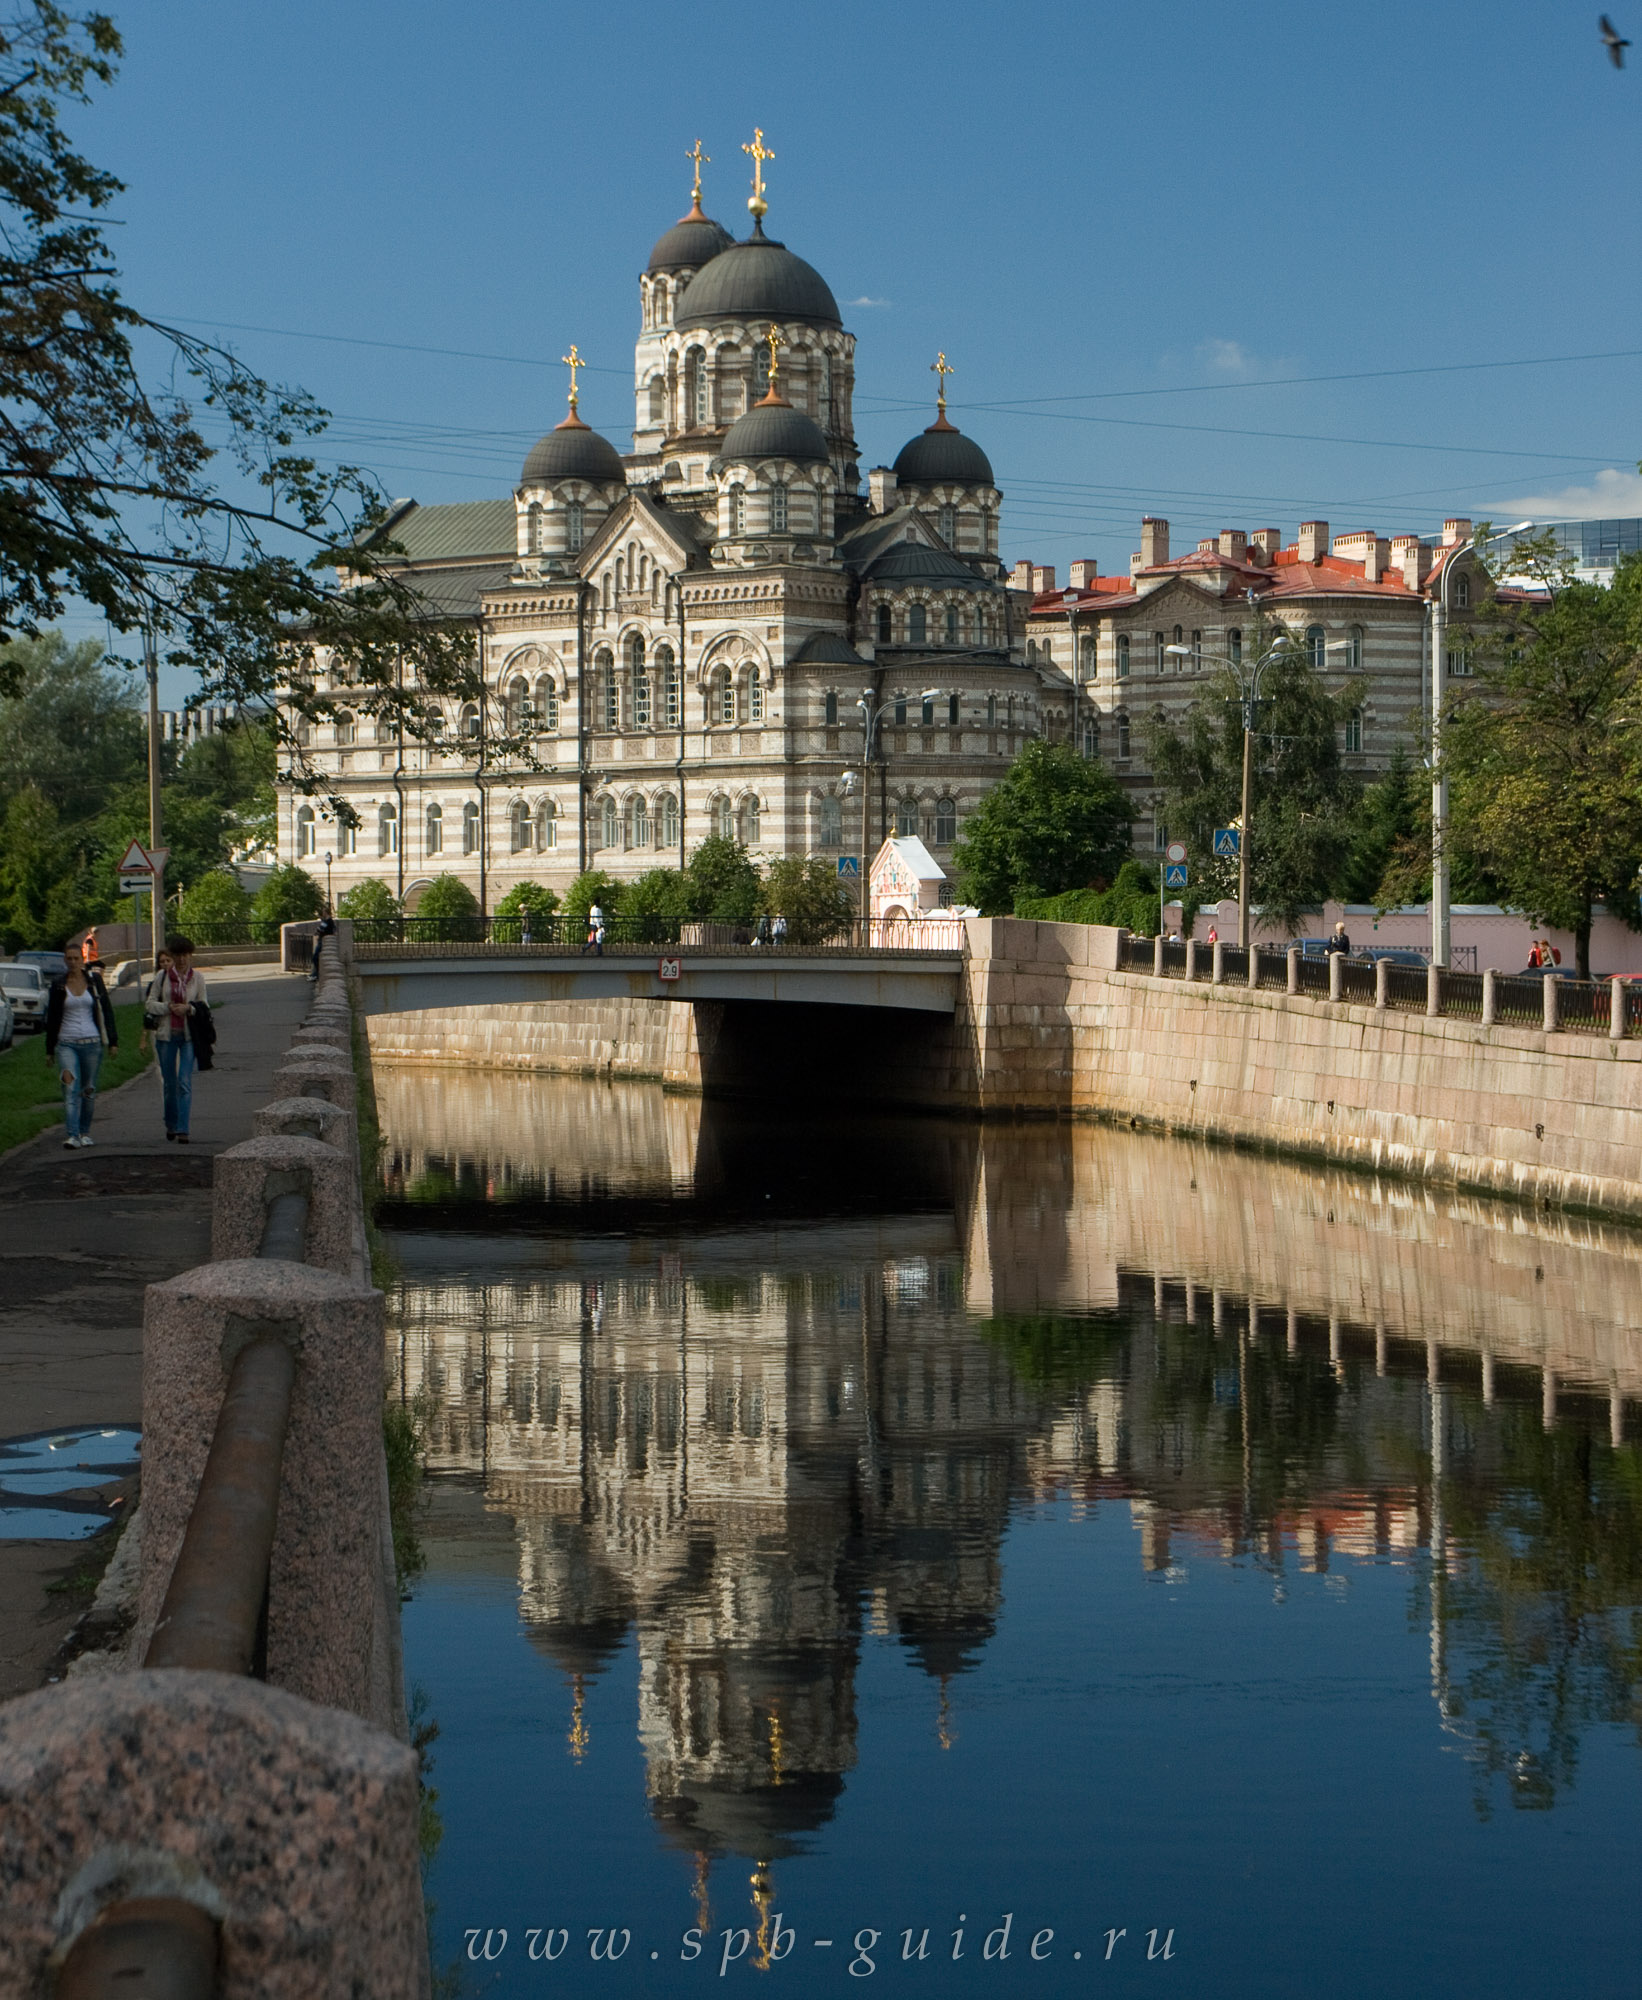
(759, 279)
(773, 430)
(572, 451)
(689, 244)
(943, 456)
(916, 562)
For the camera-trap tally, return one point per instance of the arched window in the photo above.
(829, 708)
(518, 827)
(755, 696)
(1462, 593)
(470, 827)
(952, 624)
(658, 400)
(547, 703)
(470, 721)
(1123, 656)
(901, 708)
(738, 509)
(1122, 737)
(1091, 736)
(638, 823)
(350, 836)
(1032, 652)
(992, 711)
(1354, 732)
(346, 729)
(906, 818)
(1354, 649)
(724, 819)
(435, 829)
(547, 826)
(696, 387)
(830, 822)
(667, 669)
(917, 625)
(1316, 647)
(1197, 650)
(952, 711)
(641, 683)
(307, 842)
(533, 528)
(1234, 645)
(946, 822)
(575, 525)
(304, 732)
(726, 695)
(749, 822)
(387, 830)
(1179, 640)
(667, 821)
(611, 689)
(883, 624)
(778, 507)
(609, 824)
(518, 706)
(927, 718)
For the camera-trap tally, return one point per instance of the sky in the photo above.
(1238, 267)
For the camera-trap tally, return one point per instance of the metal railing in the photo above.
(644, 937)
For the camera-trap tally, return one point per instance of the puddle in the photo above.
(49, 1482)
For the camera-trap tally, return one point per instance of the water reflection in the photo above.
(748, 1452)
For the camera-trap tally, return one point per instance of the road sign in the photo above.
(135, 860)
(669, 968)
(849, 868)
(136, 885)
(1228, 840)
(1176, 850)
(1175, 875)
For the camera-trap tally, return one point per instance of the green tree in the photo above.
(289, 896)
(524, 899)
(373, 910)
(1054, 822)
(723, 881)
(662, 893)
(72, 727)
(233, 769)
(1131, 903)
(592, 886)
(1390, 814)
(216, 910)
(1305, 801)
(446, 910)
(47, 882)
(810, 896)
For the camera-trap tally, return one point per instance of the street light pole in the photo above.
(870, 719)
(156, 824)
(328, 904)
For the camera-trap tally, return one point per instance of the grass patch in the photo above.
(31, 1099)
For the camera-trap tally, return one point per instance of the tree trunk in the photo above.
(1582, 944)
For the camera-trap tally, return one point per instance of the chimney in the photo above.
(1371, 550)
(881, 489)
(1412, 557)
(1455, 532)
(1234, 544)
(1154, 541)
(1313, 541)
(1043, 578)
(1137, 562)
(1020, 577)
(1264, 544)
(1208, 546)
(1081, 576)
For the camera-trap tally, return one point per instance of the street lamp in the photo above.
(870, 718)
(1069, 598)
(327, 860)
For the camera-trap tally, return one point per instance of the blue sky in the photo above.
(1117, 221)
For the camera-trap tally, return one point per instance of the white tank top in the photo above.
(79, 1017)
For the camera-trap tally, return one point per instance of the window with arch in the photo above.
(347, 730)
(1160, 654)
(755, 696)
(638, 822)
(724, 819)
(738, 509)
(749, 822)
(1354, 732)
(547, 826)
(1123, 656)
(906, 818)
(667, 821)
(946, 822)
(667, 673)
(387, 830)
(1091, 659)
(433, 841)
(778, 507)
(949, 526)
(1354, 649)
(952, 711)
(658, 400)
(575, 525)
(1234, 645)
(641, 683)
(611, 688)
(1091, 737)
(1178, 640)
(547, 703)
(350, 836)
(992, 711)
(917, 625)
(884, 628)
(1316, 648)
(470, 827)
(829, 708)
(928, 716)
(697, 388)
(724, 688)
(533, 528)
(518, 706)
(1122, 737)
(830, 821)
(1462, 592)
(609, 824)
(518, 827)
(952, 624)
(469, 725)
(901, 709)
(307, 838)
(1032, 652)
(1197, 650)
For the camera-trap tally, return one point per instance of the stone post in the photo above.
(1157, 956)
(1217, 964)
(1433, 989)
(1382, 983)
(1294, 968)
(1191, 958)
(1553, 1004)
(1490, 997)
(1254, 966)
(1616, 1009)
(306, 1118)
(250, 1177)
(1336, 974)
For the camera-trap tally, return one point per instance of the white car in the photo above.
(27, 988)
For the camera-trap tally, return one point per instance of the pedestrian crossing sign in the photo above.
(1228, 841)
(849, 868)
(1175, 875)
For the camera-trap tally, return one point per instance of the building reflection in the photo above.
(745, 1451)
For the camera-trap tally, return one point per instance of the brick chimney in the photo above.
(1454, 532)
(1371, 550)
(1264, 544)
(1020, 577)
(1313, 544)
(1208, 546)
(1412, 557)
(1043, 578)
(1234, 544)
(1154, 541)
(1081, 576)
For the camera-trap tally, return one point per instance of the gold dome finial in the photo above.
(772, 340)
(701, 159)
(579, 1738)
(573, 362)
(941, 369)
(760, 153)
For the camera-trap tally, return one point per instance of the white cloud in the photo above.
(1610, 494)
(1226, 357)
(870, 302)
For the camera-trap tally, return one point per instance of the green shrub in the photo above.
(447, 911)
(373, 909)
(524, 899)
(723, 879)
(809, 894)
(289, 896)
(1131, 902)
(216, 910)
(590, 887)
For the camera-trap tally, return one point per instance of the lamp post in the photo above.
(870, 719)
(1069, 598)
(327, 860)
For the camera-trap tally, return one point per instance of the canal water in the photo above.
(1008, 1560)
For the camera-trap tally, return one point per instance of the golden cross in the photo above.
(939, 369)
(772, 340)
(573, 361)
(695, 153)
(760, 153)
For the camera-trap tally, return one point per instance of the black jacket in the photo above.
(202, 1032)
(102, 1008)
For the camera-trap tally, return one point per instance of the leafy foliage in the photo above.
(592, 886)
(1054, 822)
(525, 900)
(289, 896)
(1130, 902)
(216, 910)
(663, 893)
(722, 881)
(373, 910)
(446, 908)
(810, 896)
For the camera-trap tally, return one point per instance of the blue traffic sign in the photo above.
(1228, 840)
(1175, 875)
(849, 868)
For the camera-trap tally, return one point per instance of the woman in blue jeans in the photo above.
(173, 993)
(79, 1020)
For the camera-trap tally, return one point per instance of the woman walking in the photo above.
(173, 993)
(79, 1020)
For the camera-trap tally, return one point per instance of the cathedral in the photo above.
(693, 637)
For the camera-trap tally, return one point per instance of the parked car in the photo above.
(1393, 954)
(25, 988)
(52, 963)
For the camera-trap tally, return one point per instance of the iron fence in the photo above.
(644, 937)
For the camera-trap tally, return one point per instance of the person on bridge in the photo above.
(327, 928)
(595, 932)
(1339, 942)
(778, 931)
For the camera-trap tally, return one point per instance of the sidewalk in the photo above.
(81, 1235)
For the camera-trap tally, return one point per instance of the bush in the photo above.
(447, 911)
(216, 910)
(373, 909)
(590, 887)
(1131, 902)
(1054, 822)
(289, 896)
(724, 884)
(525, 899)
(811, 897)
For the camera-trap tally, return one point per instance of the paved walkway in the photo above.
(81, 1234)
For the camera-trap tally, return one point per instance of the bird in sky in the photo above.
(1617, 44)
